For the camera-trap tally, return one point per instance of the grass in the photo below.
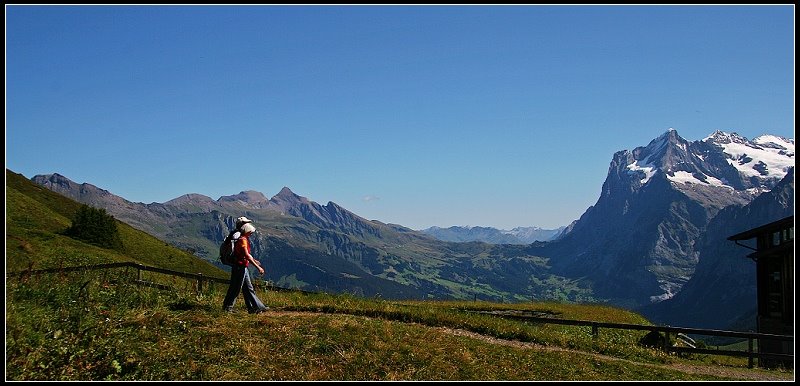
(99, 326)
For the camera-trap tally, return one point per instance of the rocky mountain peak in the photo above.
(63, 185)
(286, 200)
(660, 154)
(334, 206)
(53, 180)
(722, 137)
(53, 177)
(248, 197)
(286, 193)
(785, 146)
(761, 163)
(191, 198)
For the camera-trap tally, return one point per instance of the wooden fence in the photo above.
(666, 330)
(201, 280)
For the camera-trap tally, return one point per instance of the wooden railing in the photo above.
(199, 277)
(667, 330)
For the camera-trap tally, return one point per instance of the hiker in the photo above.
(240, 276)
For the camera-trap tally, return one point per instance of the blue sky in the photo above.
(498, 116)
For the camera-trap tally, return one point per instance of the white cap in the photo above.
(242, 220)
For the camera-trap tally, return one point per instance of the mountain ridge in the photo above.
(316, 247)
(518, 235)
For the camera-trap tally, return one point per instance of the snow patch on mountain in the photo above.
(715, 161)
(766, 156)
(647, 166)
(643, 166)
(683, 177)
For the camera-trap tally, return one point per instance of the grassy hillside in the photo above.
(35, 217)
(81, 326)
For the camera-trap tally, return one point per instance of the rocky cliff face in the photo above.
(722, 290)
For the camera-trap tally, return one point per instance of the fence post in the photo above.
(200, 284)
(750, 353)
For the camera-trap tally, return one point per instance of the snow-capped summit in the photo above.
(775, 142)
(722, 137)
(645, 161)
(767, 157)
(721, 160)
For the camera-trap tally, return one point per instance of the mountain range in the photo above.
(637, 247)
(325, 247)
(518, 235)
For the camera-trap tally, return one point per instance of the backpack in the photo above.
(226, 255)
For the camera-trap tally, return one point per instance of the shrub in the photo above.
(95, 227)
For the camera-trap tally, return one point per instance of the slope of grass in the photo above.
(79, 326)
(36, 217)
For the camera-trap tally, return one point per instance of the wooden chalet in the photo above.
(774, 258)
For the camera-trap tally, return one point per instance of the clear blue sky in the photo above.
(498, 116)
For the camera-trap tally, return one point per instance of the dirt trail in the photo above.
(722, 371)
